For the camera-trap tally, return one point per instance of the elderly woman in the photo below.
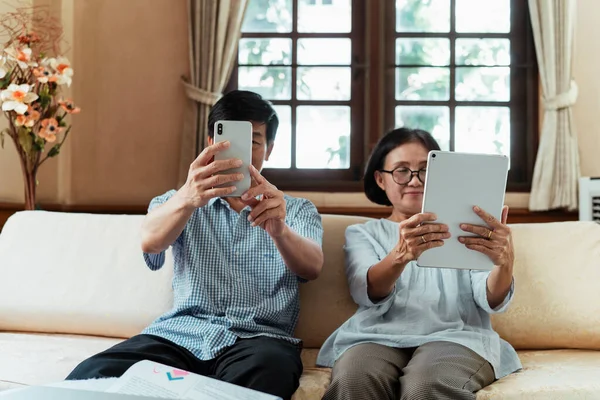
(419, 333)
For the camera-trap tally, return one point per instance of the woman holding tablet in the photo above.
(419, 333)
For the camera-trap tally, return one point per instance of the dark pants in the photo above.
(268, 365)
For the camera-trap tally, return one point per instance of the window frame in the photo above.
(524, 91)
(303, 179)
(373, 66)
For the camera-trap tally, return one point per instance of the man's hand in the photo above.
(201, 182)
(269, 211)
(301, 255)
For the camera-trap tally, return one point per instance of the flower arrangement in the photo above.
(31, 84)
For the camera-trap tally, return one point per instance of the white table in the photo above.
(98, 385)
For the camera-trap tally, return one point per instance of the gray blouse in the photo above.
(426, 305)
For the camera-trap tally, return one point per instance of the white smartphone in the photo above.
(239, 135)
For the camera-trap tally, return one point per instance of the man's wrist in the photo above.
(285, 233)
(184, 200)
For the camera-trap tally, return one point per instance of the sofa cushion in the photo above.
(41, 359)
(550, 375)
(78, 273)
(556, 274)
(313, 383)
(547, 375)
(325, 303)
(37, 359)
(557, 301)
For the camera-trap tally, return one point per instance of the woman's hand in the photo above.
(493, 240)
(418, 234)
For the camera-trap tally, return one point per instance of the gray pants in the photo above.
(437, 370)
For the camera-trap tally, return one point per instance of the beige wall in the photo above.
(586, 71)
(128, 58)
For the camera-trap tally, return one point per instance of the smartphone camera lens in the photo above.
(220, 129)
(433, 155)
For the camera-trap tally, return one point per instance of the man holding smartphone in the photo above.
(238, 265)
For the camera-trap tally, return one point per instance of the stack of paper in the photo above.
(148, 378)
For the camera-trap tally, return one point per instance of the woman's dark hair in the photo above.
(389, 142)
(243, 105)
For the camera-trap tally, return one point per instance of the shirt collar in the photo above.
(214, 200)
(223, 202)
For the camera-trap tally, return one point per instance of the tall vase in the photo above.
(29, 169)
(30, 183)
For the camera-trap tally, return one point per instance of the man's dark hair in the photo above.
(243, 105)
(389, 142)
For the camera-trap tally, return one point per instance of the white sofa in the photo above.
(72, 285)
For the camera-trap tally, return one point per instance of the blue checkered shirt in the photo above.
(229, 279)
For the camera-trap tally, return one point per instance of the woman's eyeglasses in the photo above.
(402, 176)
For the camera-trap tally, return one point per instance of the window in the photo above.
(307, 58)
(465, 71)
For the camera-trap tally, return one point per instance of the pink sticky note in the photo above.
(179, 372)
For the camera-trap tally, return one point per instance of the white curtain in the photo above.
(557, 170)
(215, 28)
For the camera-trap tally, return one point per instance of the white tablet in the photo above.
(455, 182)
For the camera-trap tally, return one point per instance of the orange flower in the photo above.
(43, 75)
(28, 119)
(69, 106)
(49, 130)
(29, 38)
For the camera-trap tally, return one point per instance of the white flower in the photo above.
(16, 97)
(63, 70)
(22, 56)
